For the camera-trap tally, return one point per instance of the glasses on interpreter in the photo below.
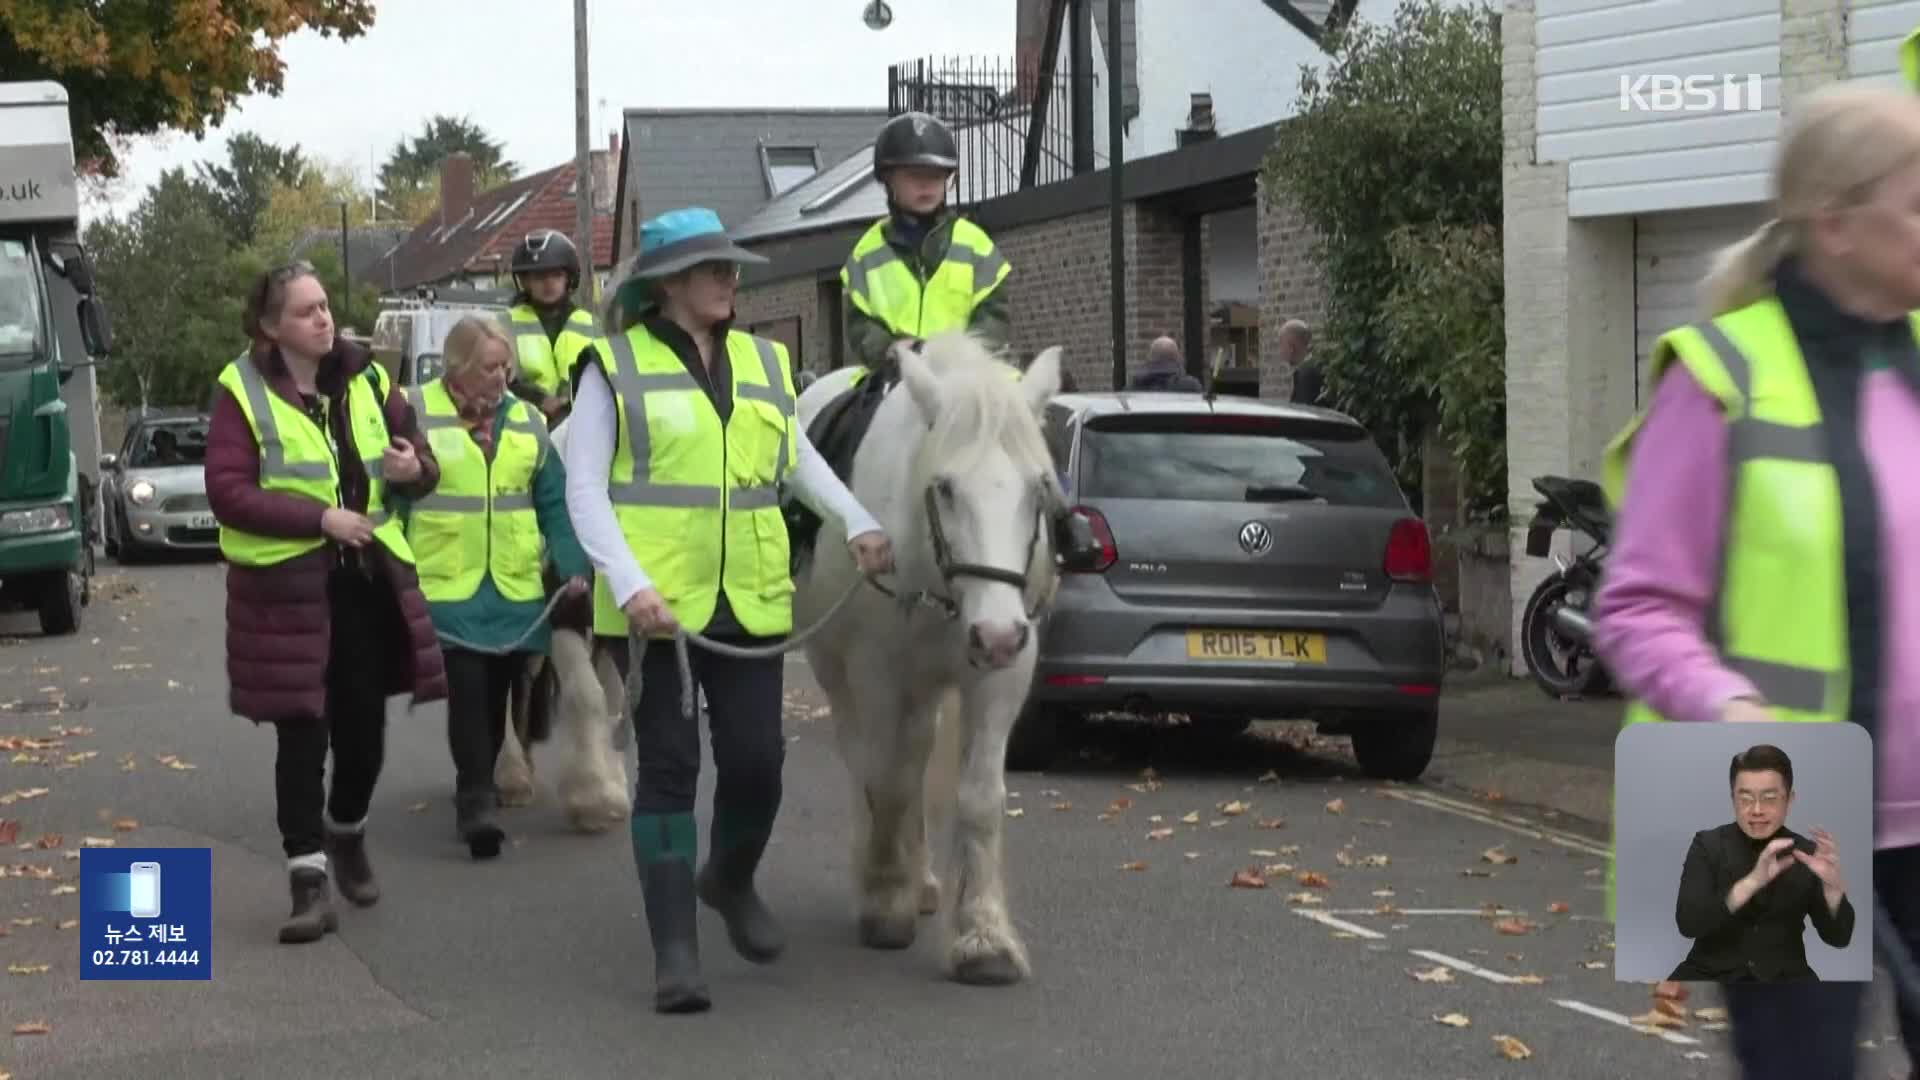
(719, 270)
(1747, 800)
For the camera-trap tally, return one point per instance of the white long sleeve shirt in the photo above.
(591, 431)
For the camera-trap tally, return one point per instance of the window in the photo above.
(171, 444)
(1234, 458)
(787, 167)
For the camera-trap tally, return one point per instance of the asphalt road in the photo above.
(1147, 961)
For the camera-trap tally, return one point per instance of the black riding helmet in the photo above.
(914, 139)
(547, 249)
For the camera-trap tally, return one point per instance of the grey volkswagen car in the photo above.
(154, 490)
(1250, 560)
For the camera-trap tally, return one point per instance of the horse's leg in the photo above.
(986, 949)
(513, 769)
(943, 767)
(876, 737)
(592, 786)
(619, 725)
(829, 673)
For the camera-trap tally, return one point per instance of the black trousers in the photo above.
(355, 725)
(1896, 878)
(478, 686)
(743, 712)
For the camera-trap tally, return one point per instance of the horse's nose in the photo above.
(999, 643)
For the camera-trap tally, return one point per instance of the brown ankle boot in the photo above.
(313, 916)
(348, 854)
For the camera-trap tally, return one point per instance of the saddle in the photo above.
(836, 433)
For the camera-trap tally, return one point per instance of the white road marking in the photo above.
(1612, 1017)
(1462, 965)
(1509, 822)
(1338, 924)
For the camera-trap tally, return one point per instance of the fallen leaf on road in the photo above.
(1269, 777)
(1376, 823)
(1062, 807)
(1511, 1048)
(64, 890)
(1434, 974)
(47, 842)
(1476, 873)
(1218, 823)
(1670, 1008)
(1718, 1025)
(1710, 1014)
(1383, 892)
(1263, 853)
(1277, 869)
(125, 824)
(128, 763)
(1155, 819)
(417, 808)
(1337, 806)
(1695, 1055)
(96, 841)
(1557, 907)
(1516, 927)
(9, 831)
(1137, 864)
(1290, 849)
(1497, 856)
(1160, 834)
(1234, 808)
(1191, 817)
(33, 920)
(1654, 1018)
(1527, 980)
(1250, 878)
(32, 1027)
(29, 969)
(1270, 823)
(1454, 1020)
(1049, 793)
(17, 796)
(1594, 965)
(1192, 855)
(66, 924)
(1016, 812)
(1313, 879)
(1304, 899)
(1386, 908)
(1344, 857)
(70, 854)
(81, 756)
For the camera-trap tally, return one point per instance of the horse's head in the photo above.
(986, 486)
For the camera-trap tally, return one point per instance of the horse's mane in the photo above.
(981, 409)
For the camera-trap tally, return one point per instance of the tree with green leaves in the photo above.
(135, 68)
(240, 188)
(412, 169)
(1394, 157)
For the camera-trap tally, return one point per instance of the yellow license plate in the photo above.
(1260, 646)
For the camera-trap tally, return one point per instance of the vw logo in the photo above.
(1255, 538)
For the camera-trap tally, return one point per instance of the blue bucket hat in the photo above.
(675, 241)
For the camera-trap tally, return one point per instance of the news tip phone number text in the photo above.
(145, 957)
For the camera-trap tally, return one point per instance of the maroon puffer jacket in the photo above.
(277, 616)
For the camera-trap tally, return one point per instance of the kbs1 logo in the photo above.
(1690, 93)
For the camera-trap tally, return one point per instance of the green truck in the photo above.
(53, 331)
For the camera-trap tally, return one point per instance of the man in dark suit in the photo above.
(1749, 887)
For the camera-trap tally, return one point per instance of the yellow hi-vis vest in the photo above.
(1783, 521)
(479, 520)
(879, 283)
(1910, 60)
(298, 458)
(549, 364)
(698, 501)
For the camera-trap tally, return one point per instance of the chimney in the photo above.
(606, 169)
(1200, 121)
(456, 188)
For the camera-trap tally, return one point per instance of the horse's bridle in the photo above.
(950, 569)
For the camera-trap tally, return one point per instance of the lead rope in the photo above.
(637, 650)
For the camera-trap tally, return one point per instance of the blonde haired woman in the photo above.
(1769, 496)
(478, 543)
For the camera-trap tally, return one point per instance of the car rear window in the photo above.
(166, 445)
(1213, 458)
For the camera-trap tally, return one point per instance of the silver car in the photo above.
(154, 491)
(1249, 560)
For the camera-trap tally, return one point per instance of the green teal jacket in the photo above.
(486, 618)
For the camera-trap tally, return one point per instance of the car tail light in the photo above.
(1409, 553)
(1102, 535)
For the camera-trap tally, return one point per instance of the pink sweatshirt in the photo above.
(1651, 608)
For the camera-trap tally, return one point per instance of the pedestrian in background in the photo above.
(478, 541)
(1165, 370)
(1768, 498)
(682, 431)
(307, 442)
(1296, 343)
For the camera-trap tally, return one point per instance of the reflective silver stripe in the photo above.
(1788, 686)
(273, 452)
(632, 388)
(525, 329)
(1784, 685)
(858, 269)
(375, 471)
(474, 504)
(774, 394)
(753, 498)
(986, 265)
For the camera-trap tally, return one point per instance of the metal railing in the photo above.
(990, 111)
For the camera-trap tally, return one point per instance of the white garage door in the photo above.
(1671, 253)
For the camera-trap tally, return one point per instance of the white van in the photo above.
(408, 339)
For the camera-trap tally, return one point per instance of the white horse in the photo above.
(590, 704)
(957, 471)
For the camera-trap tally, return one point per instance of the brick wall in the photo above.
(1061, 288)
(792, 298)
(1291, 287)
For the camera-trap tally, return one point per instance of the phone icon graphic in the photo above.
(143, 891)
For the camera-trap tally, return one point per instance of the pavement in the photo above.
(1446, 929)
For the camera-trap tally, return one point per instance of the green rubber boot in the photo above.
(664, 848)
(726, 883)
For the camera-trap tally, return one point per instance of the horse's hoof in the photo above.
(516, 793)
(930, 898)
(882, 932)
(997, 969)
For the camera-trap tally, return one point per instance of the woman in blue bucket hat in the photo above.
(683, 432)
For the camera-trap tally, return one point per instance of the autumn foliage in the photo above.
(133, 69)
